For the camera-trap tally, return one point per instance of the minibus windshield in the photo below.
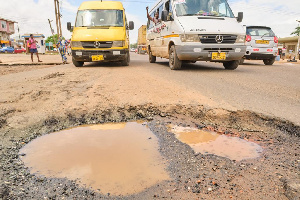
(94, 18)
(217, 8)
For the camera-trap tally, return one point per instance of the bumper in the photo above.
(204, 52)
(259, 56)
(109, 55)
(260, 53)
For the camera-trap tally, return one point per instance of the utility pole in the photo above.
(297, 53)
(57, 16)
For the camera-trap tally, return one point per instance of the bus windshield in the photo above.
(217, 8)
(94, 18)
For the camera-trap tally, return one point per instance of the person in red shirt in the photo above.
(32, 48)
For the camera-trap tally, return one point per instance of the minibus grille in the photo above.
(212, 39)
(96, 44)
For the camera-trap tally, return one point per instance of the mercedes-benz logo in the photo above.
(219, 39)
(97, 44)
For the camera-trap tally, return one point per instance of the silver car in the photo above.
(262, 44)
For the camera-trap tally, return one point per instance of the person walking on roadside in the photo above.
(62, 49)
(32, 48)
(283, 52)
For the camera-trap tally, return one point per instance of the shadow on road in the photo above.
(102, 64)
(195, 66)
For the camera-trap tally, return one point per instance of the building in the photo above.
(7, 28)
(40, 38)
(290, 43)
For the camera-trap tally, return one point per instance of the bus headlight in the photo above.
(118, 43)
(76, 44)
(240, 39)
(189, 38)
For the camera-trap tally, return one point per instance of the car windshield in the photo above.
(257, 31)
(94, 18)
(217, 8)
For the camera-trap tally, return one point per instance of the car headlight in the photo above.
(189, 38)
(240, 39)
(76, 44)
(118, 43)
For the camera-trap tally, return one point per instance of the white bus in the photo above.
(195, 30)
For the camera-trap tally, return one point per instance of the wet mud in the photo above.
(192, 174)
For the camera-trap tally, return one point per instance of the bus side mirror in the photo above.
(131, 25)
(240, 17)
(164, 15)
(69, 26)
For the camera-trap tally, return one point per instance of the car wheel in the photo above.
(127, 60)
(231, 65)
(77, 63)
(242, 61)
(269, 61)
(174, 62)
(152, 59)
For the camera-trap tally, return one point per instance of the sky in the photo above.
(32, 15)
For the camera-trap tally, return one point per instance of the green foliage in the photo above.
(296, 32)
(53, 39)
(134, 45)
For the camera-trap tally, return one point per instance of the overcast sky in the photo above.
(32, 15)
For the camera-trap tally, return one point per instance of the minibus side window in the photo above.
(168, 7)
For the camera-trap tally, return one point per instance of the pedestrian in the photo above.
(299, 54)
(62, 49)
(283, 52)
(32, 48)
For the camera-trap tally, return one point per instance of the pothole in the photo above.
(208, 142)
(116, 158)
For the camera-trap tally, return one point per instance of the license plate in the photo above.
(97, 58)
(262, 42)
(218, 56)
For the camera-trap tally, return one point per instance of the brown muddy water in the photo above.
(117, 158)
(207, 142)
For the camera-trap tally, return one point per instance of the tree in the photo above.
(133, 45)
(296, 32)
(53, 39)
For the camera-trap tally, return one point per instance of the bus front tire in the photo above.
(77, 63)
(127, 60)
(231, 65)
(174, 62)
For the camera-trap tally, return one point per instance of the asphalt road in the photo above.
(271, 90)
(37, 91)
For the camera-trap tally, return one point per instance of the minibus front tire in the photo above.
(77, 63)
(152, 59)
(174, 62)
(231, 65)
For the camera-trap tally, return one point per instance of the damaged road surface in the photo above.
(146, 132)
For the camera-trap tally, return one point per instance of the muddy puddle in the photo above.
(119, 159)
(207, 142)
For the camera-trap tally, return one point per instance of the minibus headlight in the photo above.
(240, 39)
(118, 43)
(76, 44)
(189, 38)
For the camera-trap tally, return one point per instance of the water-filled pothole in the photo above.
(208, 142)
(120, 159)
